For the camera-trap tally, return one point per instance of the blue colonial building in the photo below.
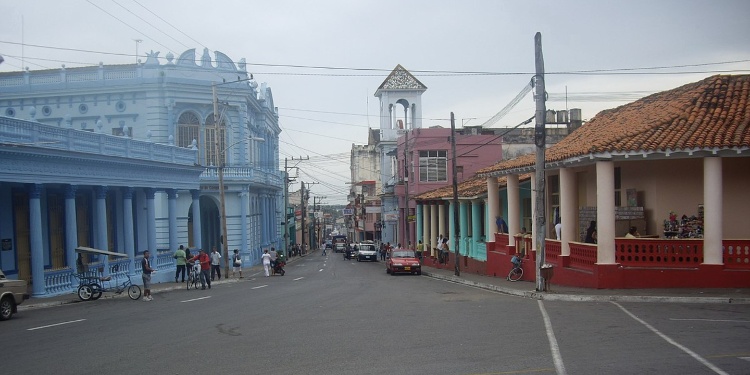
(126, 158)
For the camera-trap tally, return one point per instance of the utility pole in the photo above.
(303, 203)
(456, 221)
(220, 164)
(286, 209)
(539, 142)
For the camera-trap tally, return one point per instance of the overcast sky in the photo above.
(324, 111)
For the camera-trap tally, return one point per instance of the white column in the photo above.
(493, 202)
(442, 229)
(567, 209)
(605, 212)
(514, 208)
(712, 210)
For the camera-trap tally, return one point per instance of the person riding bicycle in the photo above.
(516, 260)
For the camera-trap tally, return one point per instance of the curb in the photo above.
(584, 298)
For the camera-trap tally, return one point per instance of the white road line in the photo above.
(669, 340)
(299, 278)
(56, 324)
(196, 299)
(556, 357)
(320, 270)
(258, 287)
(712, 320)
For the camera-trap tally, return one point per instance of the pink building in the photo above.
(430, 168)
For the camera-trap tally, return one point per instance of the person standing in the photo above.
(502, 226)
(591, 233)
(446, 250)
(146, 275)
(205, 263)
(440, 244)
(420, 249)
(237, 263)
(215, 263)
(266, 258)
(181, 259)
(558, 229)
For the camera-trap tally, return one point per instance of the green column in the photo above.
(464, 224)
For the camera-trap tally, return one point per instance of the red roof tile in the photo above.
(712, 113)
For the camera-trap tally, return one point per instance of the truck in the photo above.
(339, 243)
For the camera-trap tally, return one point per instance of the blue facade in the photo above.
(125, 158)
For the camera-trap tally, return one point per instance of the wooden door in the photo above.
(22, 234)
(56, 212)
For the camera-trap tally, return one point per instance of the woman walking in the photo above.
(266, 262)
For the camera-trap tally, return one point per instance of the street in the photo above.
(332, 316)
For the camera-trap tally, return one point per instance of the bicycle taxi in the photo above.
(91, 284)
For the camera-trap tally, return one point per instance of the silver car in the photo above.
(12, 294)
(367, 251)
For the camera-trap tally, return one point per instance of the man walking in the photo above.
(205, 263)
(146, 275)
(273, 255)
(181, 259)
(215, 263)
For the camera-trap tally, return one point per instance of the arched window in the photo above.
(211, 141)
(188, 128)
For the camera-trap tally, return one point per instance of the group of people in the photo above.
(269, 259)
(207, 263)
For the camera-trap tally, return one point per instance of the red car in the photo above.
(403, 261)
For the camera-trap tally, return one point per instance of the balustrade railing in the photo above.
(682, 253)
(59, 281)
(736, 254)
(552, 251)
(48, 136)
(582, 255)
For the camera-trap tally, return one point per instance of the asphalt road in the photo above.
(331, 316)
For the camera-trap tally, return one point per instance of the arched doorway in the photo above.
(210, 224)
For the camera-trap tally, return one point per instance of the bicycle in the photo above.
(194, 277)
(91, 286)
(516, 273)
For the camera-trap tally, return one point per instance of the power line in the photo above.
(173, 26)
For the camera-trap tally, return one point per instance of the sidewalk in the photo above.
(156, 289)
(521, 288)
(563, 293)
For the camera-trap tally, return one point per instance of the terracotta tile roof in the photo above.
(473, 187)
(708, 114)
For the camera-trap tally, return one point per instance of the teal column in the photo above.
(172, 212)
(197, 239)
(36, 241)
(464, 223)
(71, 228)
(419, 225)
(475, 226)
(451, 229)
(244, 206)
(102, 241)
(129, 233)
(151, 224)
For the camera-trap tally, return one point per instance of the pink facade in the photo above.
(475, 151)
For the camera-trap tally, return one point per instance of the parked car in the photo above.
(367, 251)
(12, 294)
(404, 261)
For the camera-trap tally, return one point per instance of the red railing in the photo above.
(582, 256)
(501, 241)
(670, 253)
(736, 254)
(552, 251)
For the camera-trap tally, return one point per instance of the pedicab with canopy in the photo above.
(91, 284)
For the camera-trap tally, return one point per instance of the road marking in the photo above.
(196, 299)
(299, 278)
(745, 358)
(669, 340)
(320, 270)
(258, 287)
(56, 324)
(712, 320)
(556, 357)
